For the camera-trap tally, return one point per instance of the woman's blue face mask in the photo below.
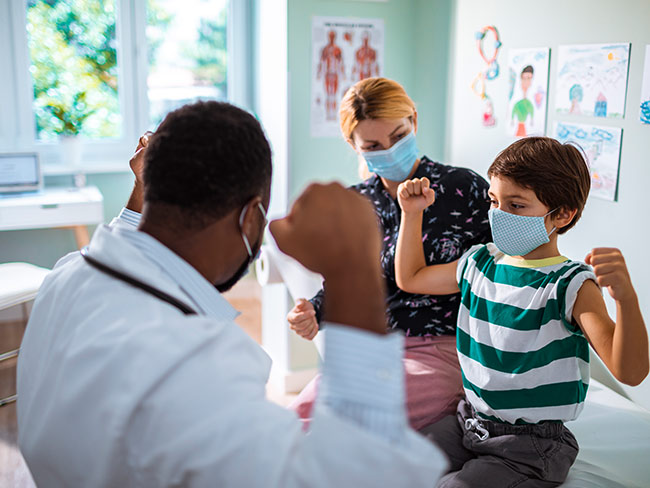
(396, 162)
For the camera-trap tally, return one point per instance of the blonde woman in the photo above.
(380, 122)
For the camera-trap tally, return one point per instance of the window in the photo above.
(107, 70)
(187, 53)
(73, 66)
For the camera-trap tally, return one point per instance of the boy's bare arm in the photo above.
(411, 272)
(623, 346)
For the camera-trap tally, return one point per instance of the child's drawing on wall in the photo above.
(528, 91)
(592, 79)
(602, 147)
(575, 95)
(645, 89)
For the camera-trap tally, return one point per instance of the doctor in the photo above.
(133, 373)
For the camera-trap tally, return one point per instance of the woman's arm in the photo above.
(623, 346)
(411, 272)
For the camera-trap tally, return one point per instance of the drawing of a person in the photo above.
(365, 60)
(575, 95)
(524, 107)
(331, 64)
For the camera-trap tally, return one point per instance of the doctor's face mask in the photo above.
(253, 253)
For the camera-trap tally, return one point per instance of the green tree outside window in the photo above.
(73, 51)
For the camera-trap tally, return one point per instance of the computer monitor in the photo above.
(20, 172)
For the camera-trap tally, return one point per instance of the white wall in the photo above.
(526, 23)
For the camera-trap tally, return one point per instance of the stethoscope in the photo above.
(161, 295)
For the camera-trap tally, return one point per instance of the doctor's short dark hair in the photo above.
(205, 160)
(557, 173)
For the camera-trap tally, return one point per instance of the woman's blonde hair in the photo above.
(373, 98)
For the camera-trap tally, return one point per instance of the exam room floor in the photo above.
(245, 297)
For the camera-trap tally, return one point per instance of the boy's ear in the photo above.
(563, 217)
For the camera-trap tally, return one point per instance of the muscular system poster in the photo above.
(344, 51)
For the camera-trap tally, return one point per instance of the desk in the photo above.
(72, 208)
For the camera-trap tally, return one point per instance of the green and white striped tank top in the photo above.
(522, 359)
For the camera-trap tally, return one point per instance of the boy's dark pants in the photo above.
(524, 456)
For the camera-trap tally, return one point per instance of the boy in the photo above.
(526, 318)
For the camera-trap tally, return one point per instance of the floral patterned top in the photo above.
(454, 223)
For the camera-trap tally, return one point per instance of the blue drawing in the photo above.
(592, 79)
(602, 134)
(602, 147)
(563, 132)
(600, 109)
(575, 95)
(645, 112)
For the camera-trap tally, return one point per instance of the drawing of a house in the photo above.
(600, 109)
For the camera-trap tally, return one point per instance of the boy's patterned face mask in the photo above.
(518, 235)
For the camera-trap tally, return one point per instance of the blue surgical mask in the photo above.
(517, 235)
(396, 162)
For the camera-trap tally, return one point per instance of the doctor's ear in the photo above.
(250, 215)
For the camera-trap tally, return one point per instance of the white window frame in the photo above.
(17, 124)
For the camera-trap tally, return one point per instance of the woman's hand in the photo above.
(415, 195)
(302, 319)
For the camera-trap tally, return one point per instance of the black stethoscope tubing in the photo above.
(161, 295)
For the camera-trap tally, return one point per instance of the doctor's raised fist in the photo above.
(331, 230)
(136, 200)
(137, 160)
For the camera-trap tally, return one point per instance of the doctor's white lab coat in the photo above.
(117, 388)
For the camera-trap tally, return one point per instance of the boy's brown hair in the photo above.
(556, 172)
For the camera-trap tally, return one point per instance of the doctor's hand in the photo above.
(415, 195)
(330, 230)
(334, 231)
(137, 166)
(302, 319)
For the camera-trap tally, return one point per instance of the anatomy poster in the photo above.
(344, 51)
(592, 79)
(602, 146)
(528, 94)
(645, 89)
